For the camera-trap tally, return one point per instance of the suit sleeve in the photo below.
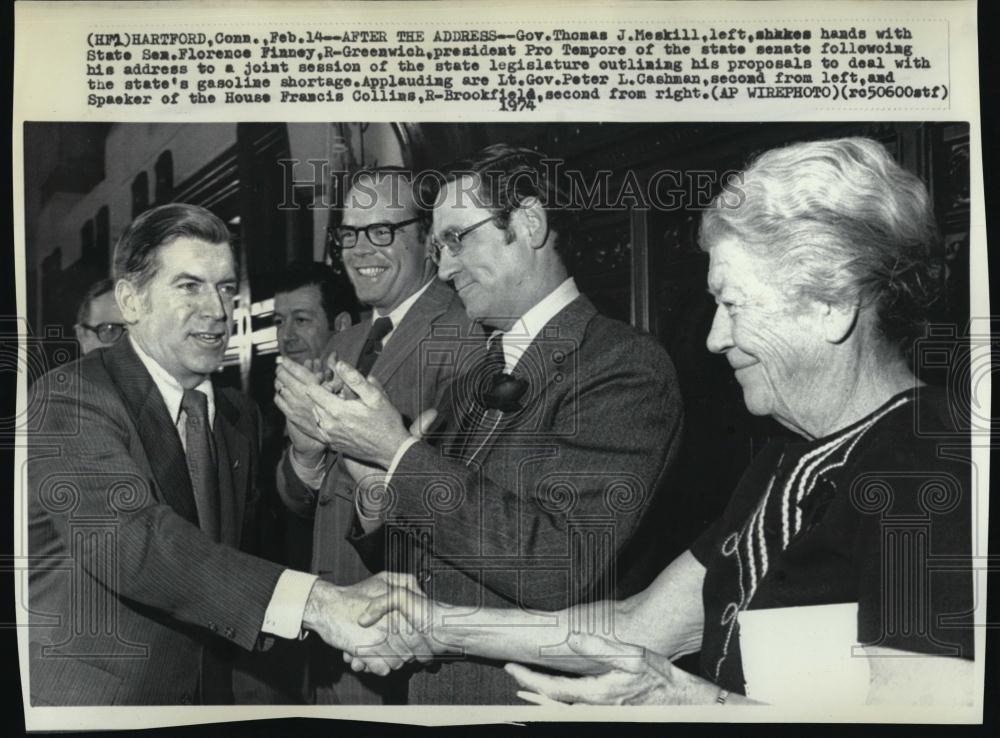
(613, 435)
(148, 554)
(298, 497)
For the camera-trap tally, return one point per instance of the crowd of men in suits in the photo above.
(484, 436)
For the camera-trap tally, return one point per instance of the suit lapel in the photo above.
(348, 345)
(233, 449)
(411, 330)
(156, 428)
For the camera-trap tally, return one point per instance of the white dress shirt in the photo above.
(283, 616)
(520, 336)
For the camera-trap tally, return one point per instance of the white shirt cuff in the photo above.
(311, 477)
(283, 617)
(403, 448)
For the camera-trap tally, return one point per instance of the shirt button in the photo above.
(230, 633)
(324, 500)
(213, 627)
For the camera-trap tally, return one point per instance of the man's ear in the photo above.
(129, 299)
(342, 322)
(838, 320)
(529, 218)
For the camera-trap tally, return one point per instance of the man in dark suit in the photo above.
(141, 489)
(567, 423)
(382, 238)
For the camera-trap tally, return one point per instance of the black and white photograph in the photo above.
(512, 413)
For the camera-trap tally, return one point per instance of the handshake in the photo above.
(380, 623)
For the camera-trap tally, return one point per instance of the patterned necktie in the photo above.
(200, 455)
(484, 410)
(373, 345)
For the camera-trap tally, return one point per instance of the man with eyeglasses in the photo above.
(382, 241)
(99, 322)
(567, 422)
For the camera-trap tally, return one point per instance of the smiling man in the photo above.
(567, 423)
(141, 491)
(382, 240)
(305, 309)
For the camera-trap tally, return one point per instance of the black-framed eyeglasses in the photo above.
(379, 234)
(452, 240)
(107, 332)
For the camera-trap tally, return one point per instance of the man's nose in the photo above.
(215, 305)
(364, 244)
(284, 331)
(720, 337)
(448, 265)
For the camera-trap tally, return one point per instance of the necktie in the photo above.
(373, 345)
(501, 391)
(495, 393)
(200, 456)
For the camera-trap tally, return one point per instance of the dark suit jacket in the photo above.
(126, 592)
(416, 377)
(539, 518)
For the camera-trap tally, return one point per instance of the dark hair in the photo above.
(298, 274)
(100, 287)
(135, 252)
(508, 175)
(838, 221)
(395, 175)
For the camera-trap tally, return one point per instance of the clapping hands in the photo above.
(338, 407)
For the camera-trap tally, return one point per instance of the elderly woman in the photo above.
(821, 261)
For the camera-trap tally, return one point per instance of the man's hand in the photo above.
(382, 646)
(333, 382)
(369, 479)
(290, 381)
(368, 428)
(410, 602)
(633, 676)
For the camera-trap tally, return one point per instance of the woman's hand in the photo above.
(633, 676)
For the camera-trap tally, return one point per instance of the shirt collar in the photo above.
(520, 335)
(170, 389)
(397, 315)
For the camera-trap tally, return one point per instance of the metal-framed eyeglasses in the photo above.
(452, 240)
(107, 332)
(379, 234)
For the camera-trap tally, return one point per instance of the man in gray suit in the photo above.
(567, 423)
(382, 238)
(141, 493)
